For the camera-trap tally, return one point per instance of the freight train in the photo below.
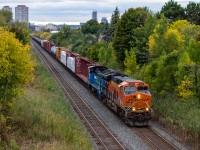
(129, 98)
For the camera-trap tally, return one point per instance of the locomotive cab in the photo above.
(136, 100)
(136, 95)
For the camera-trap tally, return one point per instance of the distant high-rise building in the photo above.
(94, 15)
(7, 8)
(104, 20)
(21, 13)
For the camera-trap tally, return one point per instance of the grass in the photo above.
(182, 114)
(42, 119)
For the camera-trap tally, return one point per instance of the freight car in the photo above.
(129, 98)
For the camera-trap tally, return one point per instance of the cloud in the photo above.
(81, 10)
(53, 1)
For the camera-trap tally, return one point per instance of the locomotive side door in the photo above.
(121, 95)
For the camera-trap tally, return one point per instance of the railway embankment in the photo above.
(43, 118)
(180, 118)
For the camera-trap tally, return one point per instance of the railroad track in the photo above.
(102, 136)
(153, 139)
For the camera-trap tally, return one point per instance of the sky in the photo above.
(76, 11)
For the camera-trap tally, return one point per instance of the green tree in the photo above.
(2, 20)
(184, 89)
(176, 47)
(165, 39)
(183, 76)
(104, 53)
(21, 31)
(113, 63)
(156, 41)
(130, 62)
(82, 43)
(140, 39)
(193, 12)
(55, 38)
(165, 73)
(93, 52)
(16, 71)
(173, 11)
(113, 24)
(193, 50)
(62, 38)
(92, 27)
(77, 41)
(6, 17)
(148, 73)
(105, 30)
(173, 40)
(130, 20)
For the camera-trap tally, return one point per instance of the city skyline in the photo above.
(49, 11)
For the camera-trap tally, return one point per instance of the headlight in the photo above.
(133, 109)
(147, 109)
(138, 96)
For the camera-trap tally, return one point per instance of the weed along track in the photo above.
(154, 139)
(98, 130)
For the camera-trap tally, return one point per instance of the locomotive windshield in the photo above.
(128, 90)
(143, 88)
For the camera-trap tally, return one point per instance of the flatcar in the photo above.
(128, 97)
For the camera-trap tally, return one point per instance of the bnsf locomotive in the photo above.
(129, 98)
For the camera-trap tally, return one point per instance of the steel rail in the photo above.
(55, 69)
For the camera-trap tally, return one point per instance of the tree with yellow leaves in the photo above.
(130, 62)
(45, 35)
(16, 71)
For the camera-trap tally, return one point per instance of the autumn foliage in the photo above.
(16, 70)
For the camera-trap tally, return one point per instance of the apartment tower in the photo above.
(94, 15)
(21, 13)
(7, 8)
